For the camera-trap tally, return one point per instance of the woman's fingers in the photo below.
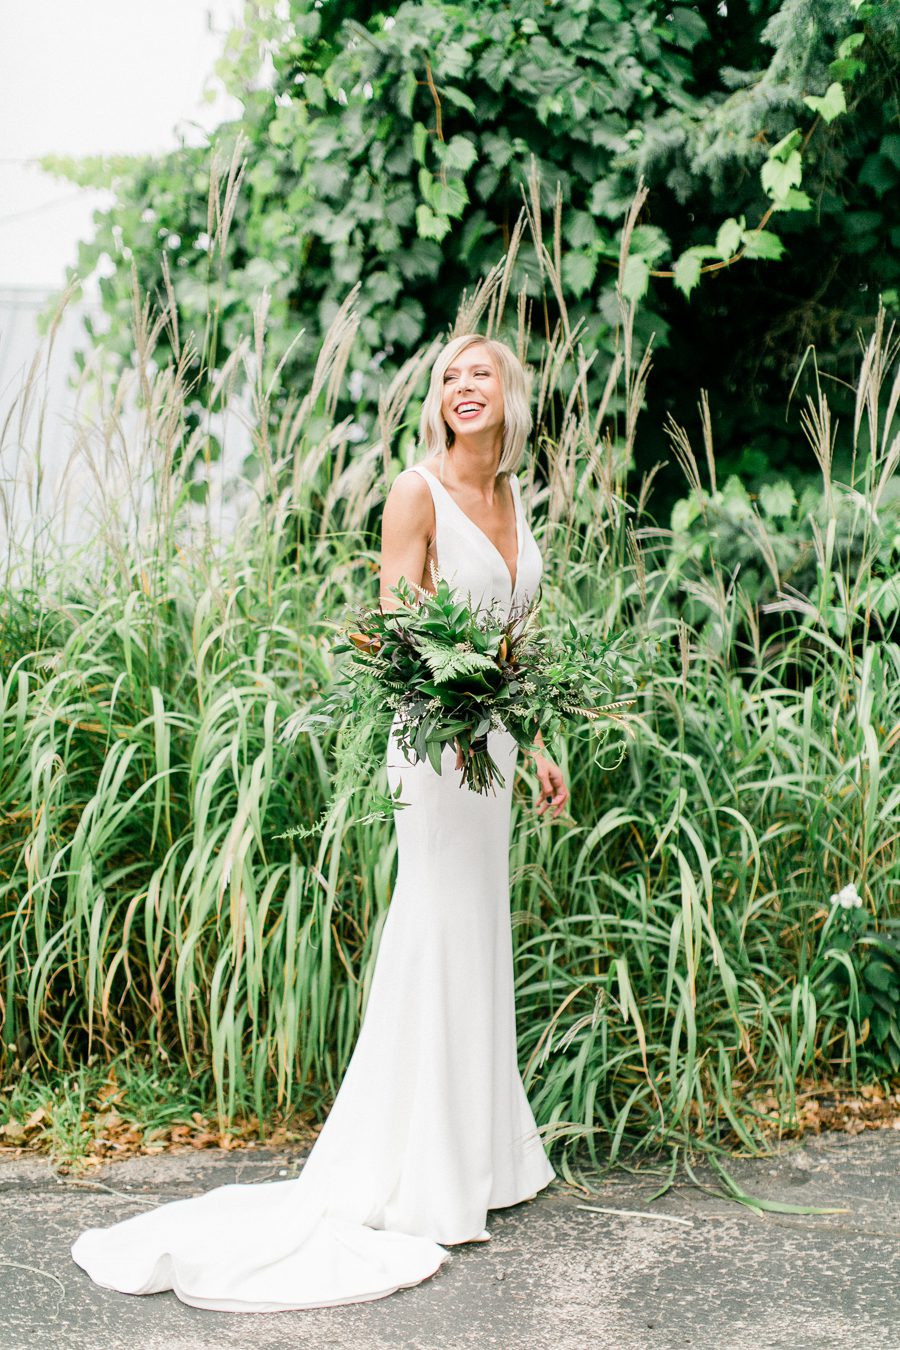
(553, 790)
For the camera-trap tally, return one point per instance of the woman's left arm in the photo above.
(553, 790)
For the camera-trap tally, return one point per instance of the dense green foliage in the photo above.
(674, 940)
(388, 147)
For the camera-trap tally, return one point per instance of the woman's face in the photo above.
(472, 398)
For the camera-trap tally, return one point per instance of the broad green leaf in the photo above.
(498, 149)
(783, 148)
(846, 70)
(683, 27)
(777, 499)
(428, 225)
(406, 91)
(684, 512)
(313, 90)
(850, 44)
(830, 105)
(570, 31)
(422, 257)
(650, 241)
(636, 278)
(581, 229)
(879, 173)
(763, 244)
(735, 499)
(728, 238)
(881, 976)
(687, 271)
(459, 154)
(890, 147)
(456, 96)
(420, 142)
(579, 270)
(450, 198)
(795, 199)
(779, 176)
(858, 223)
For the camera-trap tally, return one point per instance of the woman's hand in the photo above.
(553, 790)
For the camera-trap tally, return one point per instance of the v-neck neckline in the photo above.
(513, 581)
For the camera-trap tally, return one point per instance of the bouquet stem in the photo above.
(480, 771)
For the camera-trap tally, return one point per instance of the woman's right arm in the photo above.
(407, 527)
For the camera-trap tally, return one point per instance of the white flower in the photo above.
(847, 898)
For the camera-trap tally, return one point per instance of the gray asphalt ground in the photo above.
(554, 1276)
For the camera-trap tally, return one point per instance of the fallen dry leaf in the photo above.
(826, 1106)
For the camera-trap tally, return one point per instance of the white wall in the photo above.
(80, 77)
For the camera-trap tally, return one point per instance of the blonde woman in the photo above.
(431, 1127)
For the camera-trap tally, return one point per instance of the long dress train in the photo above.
(431, 1126)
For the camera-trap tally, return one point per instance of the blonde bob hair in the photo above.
(434, 433)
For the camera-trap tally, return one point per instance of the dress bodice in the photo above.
(471, 562)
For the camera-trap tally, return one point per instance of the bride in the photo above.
(431, 1127)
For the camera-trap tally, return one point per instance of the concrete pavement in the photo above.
(554, 1276)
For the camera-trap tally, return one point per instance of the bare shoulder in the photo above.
(408, 503)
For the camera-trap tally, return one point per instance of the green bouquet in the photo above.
(451, 674)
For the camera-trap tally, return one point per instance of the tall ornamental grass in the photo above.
(676, 951)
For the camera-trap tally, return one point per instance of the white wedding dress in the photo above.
(431, 1127)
